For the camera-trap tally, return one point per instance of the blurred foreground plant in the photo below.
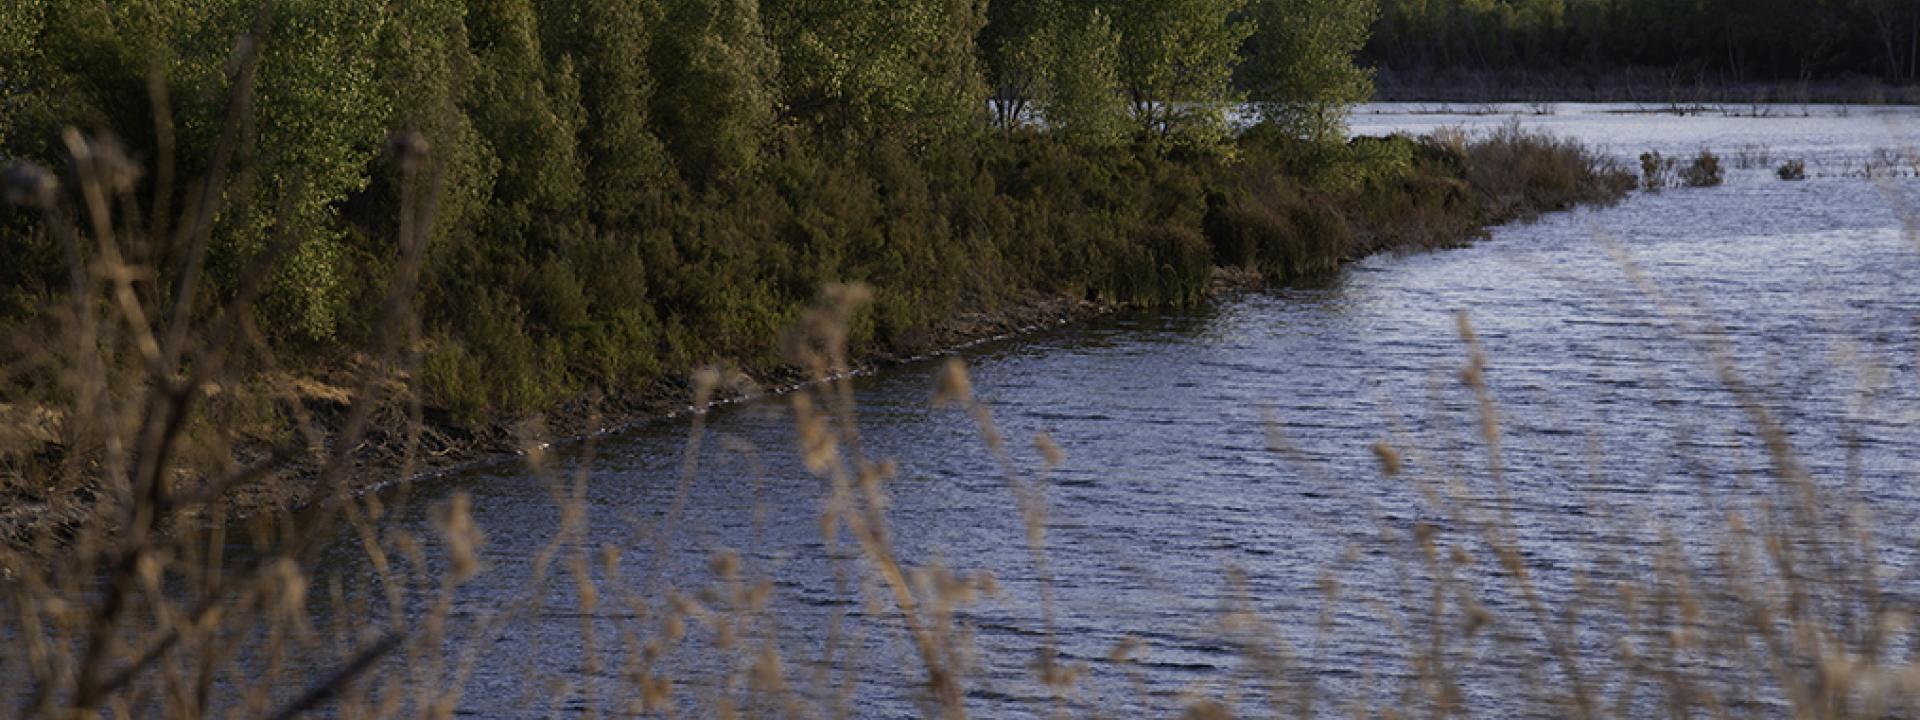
(129, 602)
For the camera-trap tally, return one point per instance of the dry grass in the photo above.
(129, 603)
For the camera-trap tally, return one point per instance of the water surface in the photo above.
(1614, 428)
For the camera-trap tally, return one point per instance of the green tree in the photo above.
(316, 117)
(852, 68)
(32, 265)
(20, 23)
(1176, 65)
(60, 74)
(1300, 70)
(323, 116)
(1084, 104)
(530, 116)
(713, 104)
(626, 162)
(953, 98)
(428, 73)
(320, 105)
(1018, 45)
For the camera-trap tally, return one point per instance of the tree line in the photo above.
(1738, 40)
(627, 187)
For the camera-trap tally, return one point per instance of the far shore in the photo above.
(1650, 86)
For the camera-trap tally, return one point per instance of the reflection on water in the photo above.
(1613, 429)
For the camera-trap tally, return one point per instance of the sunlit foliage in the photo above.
(629, 187)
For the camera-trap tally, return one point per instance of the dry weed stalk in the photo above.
(142, 612)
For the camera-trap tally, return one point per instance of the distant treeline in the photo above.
(1735, 41)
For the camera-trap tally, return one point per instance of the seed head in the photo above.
(1389, 458)
(953, 386)
(1050, 452)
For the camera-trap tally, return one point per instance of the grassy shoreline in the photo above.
(1263, 222)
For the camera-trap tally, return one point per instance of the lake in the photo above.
(1223, 457)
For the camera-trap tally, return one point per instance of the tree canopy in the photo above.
(1299, 71)
(1176, 65)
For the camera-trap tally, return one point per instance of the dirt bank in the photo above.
(28, 518)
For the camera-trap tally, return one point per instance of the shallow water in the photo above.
(1614, 429)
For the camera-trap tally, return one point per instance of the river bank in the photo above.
(28, 519)
(1263, 222)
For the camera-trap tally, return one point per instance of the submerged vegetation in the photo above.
(1704, 171)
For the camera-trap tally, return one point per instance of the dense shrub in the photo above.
(1523, 172)
(1277, 232)
(1704, 171)
(1182, 263)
